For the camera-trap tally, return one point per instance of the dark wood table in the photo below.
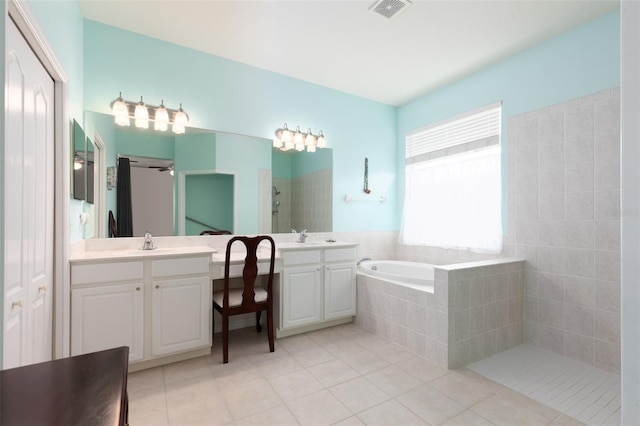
(88, 389)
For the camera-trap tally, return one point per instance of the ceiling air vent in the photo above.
(390, 8)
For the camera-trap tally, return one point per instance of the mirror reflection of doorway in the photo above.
(152, 196)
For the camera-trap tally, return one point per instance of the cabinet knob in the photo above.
(137, 288)
(42, 288)
(17, 303)
(157, 286)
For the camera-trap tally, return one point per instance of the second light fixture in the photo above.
(286, 139)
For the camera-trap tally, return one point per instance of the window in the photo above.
(453, 184)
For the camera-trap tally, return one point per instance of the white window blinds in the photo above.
(470, 131)
(453, 184)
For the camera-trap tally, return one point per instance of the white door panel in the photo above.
(29, 203)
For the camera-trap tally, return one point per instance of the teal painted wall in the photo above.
(195, 152)
(281, 164)
(209, 199)
(304, 163)
(289, 165)
(244, 156)
(577, 63)
(145, 144)
(227, 96)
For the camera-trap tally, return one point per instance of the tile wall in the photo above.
(300, 205)
(486, 314)
(564, 219)
(281, 222)
(308, 209)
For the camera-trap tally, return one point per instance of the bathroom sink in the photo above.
(308, 244)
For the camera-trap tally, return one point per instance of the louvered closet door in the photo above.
(29, 197)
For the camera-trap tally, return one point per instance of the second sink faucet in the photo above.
(302, 237)
(148, 242)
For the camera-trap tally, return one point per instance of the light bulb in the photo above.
(310, 139)
(141, 115)
(120, 111)
(289, 145)
(322, 143)
(179, 121)
(161, 118)
(287, 135)
(277, 139)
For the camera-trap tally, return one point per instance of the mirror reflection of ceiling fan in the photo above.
(161, 164)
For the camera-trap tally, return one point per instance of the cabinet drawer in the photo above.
(185, 266)
(340, 254)
(300, 257)
(106, 272)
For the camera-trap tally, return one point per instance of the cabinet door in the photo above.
(108, 316)
(339, 291)
(302, 296)
(181, 312)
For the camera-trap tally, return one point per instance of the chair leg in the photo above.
(258, 325)
(225, 339)
(213, 324)
(270, 329)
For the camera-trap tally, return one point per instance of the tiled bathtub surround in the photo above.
(475, 311)
(564, 218)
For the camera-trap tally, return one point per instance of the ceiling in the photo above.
(344, 46)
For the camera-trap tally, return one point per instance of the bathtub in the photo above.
(409, 274)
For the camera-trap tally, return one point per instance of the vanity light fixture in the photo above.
(286, 140)
(123, 111)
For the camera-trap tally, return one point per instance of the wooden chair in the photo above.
(249, 298)
(218, 232)
(113, 228)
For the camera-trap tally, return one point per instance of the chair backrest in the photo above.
(217, 232)
(250, 271)
(113, 229)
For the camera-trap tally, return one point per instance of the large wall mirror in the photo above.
(204, 179)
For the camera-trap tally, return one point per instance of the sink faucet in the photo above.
(148, 242)
(302, 237)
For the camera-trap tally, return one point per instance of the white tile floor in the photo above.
(587, 393)
(343, 375)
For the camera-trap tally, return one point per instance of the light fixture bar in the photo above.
(285, 139)
(124, 111)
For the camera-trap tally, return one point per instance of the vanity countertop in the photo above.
(314, 244)
(137, 254)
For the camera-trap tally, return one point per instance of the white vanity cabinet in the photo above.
(301, 296)
(317, 288)
(107, 308)
(181, 307)
(339, 291)
(158, 306)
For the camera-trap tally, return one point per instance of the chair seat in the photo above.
(235, 296)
